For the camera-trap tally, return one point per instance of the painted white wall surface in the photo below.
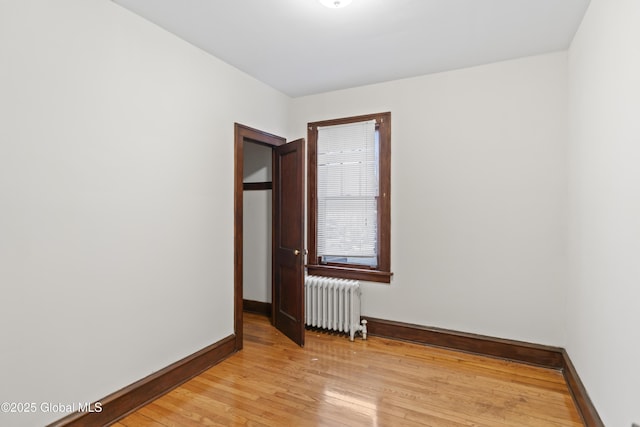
(116, 209)
(603, 315)
(257, 246)
(257, 162)
(257, 213)
(479, 197)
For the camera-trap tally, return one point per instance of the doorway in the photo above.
(257, 228)
(287, 230)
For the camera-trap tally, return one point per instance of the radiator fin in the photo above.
(334, 304)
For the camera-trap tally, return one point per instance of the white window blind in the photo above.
(347, 190)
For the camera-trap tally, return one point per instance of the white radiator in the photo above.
(334, 304)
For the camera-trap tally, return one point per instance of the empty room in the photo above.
(179, 178)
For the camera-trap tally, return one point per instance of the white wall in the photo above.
(478, 196)
(603, 333)
(256, 265)
(116, 208)
(257, 162)
(116, 222)
(257, 215)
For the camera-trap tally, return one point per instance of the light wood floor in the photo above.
(378, 382)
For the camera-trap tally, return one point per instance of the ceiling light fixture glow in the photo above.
(335, 4)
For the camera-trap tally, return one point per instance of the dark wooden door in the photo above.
(288, 240)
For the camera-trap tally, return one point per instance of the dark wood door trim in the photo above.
(243, 134)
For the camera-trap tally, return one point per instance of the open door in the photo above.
(288, 240)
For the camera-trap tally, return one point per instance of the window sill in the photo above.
(350, 273)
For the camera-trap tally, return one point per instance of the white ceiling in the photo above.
(300, 47)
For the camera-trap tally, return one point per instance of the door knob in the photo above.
(296, 252)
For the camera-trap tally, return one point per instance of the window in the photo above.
(349, 198)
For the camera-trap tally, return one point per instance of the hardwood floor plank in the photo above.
(139, 419)
(378, 382)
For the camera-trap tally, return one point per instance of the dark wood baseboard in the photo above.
(535, 354)
(257, 307)
(518, 351)
(127, 400)
(589, 414)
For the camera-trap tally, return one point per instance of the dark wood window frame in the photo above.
(382, 273)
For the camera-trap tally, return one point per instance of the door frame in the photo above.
(243, 134)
